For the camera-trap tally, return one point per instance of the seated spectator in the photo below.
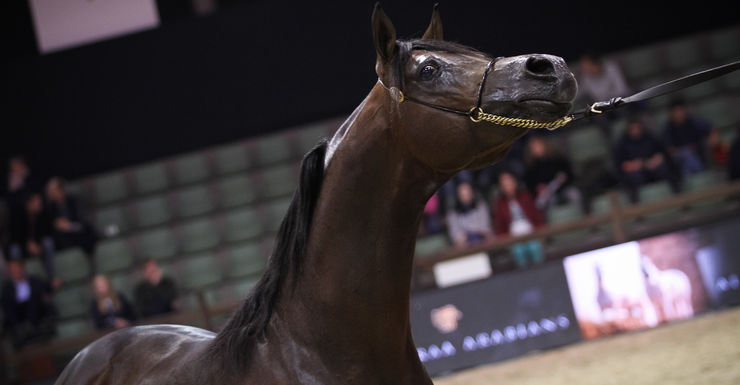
(641, 158)
(70, 229)
(431, 221)
(469, 221)
(686, 137)
(516, 214)
(21, 184)
(27, 307)
(109, 309)
(30, 236)
(549, 175)
(733, 164)
(600, 80)
(156, 294)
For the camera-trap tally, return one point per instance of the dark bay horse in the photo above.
(333, 304)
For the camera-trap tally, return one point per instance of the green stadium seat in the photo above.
(35, 266)
(191, 168)
(232, 158)
(684, 53)
(702, 180)
(273, 149)
(723, 45)
(564, 214)
(701, 90)
(71, 265)
(655, 192)
(274, 213)
(151, 178)
(587, 143)
(195, 200)
(242, 287)
(601, 204)
(242, 224)
(73, 327)
(237, 190)
(199, 235)
(157, 243)
(111, 221)
(278, 181)
(245, 260)
(720, 110)
(308, 137)
(201, 271)
(124, 283)
(152, 211)
(431, 244)
(73, 301)
(110, 188)
(640, 63)
(113, 255)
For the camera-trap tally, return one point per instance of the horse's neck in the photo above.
(357, 271)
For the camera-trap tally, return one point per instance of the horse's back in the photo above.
(156, 354)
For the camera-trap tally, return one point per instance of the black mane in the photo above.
(248, 324)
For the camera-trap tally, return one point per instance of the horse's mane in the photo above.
(250, 321)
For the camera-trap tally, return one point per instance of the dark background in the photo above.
(254, 67)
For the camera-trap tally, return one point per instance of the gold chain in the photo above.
(477, 115)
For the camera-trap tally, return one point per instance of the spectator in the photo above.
(600, 80)
(109, 309)
(21, 183)
(27, 307)
(549, 175)
(69, 227)
(469, 222)
(30, 236)
(516, 214)
(733, 165)
(686, 137)
(431, 222)
(156, 294)
(641, 158)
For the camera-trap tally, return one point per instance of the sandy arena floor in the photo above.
(704, 350)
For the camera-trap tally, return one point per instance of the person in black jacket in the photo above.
(70, 228)
(641, 158)
(155, 294)
(27, 307)
(549, 175)
(110, 309)
(30, 235)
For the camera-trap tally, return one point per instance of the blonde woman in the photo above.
(109, 309)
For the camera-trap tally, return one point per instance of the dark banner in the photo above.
(719, 262)
(493, 319)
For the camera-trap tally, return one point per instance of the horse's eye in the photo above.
(427, 71)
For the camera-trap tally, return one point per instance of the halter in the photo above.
(476, 114)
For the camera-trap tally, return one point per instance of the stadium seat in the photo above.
(723, 44)
(242, 224)
(201, 271)
(191, 168)
(71, 265)
(601, 204)
(677, 57)
(194, 200)
(157, 243)
(113, 255)
(308, 137)
(232, 158)
(110, 188)
(199, 235)
(34, 266)
(274, 213)
(720, 110)
(431, 244)
(654, 192)
(125, 282)
(111, 221)
(563, 213)
(700, 90)
(702, 180)
(278, 181)
(236, 190)
(640, 63)
(242, 287)
(73, 327)
(273, 149)
(151, 178)
(587, 143)
(245, 260)
(73, 301)
(152, 211)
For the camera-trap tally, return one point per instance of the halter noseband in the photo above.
(476, 114)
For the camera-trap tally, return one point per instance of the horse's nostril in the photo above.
(539, 65)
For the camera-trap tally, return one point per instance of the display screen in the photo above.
(493, 319)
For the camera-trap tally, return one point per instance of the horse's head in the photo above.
(434, 84)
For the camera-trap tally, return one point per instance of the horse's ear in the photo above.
(384, 35)
(434, 31)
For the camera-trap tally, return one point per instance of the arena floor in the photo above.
(704, 350)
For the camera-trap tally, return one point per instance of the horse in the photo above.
(332, 306)
(669, 291)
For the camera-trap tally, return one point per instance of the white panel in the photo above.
(461, 270)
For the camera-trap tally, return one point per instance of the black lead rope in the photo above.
(659, 90)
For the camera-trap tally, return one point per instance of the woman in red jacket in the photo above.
(515, 213)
